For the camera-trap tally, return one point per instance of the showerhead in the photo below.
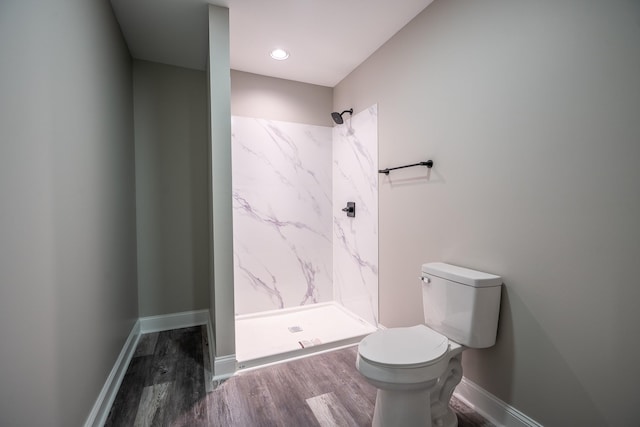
(337, 117)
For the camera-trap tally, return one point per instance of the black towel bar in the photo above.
(428, 163)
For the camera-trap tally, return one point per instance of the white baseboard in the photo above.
(492, 408)
(102, 406)
(224, 367)
(212, 350)
(166, 322)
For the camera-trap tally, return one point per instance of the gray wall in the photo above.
(68, 296)
(253, 95)
(170, 110)
(221, 219)
(530, 111)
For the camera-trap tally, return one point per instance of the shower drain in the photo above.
(294, 329)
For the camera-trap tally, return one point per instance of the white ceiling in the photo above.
(326, 39)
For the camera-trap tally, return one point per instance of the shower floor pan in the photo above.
(278, 335)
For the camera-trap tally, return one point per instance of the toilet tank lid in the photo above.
(466, 276)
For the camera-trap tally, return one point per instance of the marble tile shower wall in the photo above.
(282, 214)
(293, 245)
(355, 240)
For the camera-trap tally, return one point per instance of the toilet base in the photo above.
(423, 406)
(408, 409)
(402, 408)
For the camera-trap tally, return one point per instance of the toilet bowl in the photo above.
(410, 367)
(417, 368)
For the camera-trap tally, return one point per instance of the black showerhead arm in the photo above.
(337, 117)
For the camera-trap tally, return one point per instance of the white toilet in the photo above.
(417, 368)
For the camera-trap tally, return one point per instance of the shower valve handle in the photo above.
(350, 209)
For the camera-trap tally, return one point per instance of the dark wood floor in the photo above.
(165, 386)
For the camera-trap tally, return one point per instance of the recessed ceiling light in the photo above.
(279, 54)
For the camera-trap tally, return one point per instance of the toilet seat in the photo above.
(411, 347)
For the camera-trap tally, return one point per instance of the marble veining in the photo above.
(355, 244)
(293, 245)
(282, 214)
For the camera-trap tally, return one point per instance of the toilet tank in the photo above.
(461, 303)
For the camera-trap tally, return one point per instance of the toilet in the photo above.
(417, 368)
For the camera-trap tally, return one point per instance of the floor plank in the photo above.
(125, 406)
(329, 411)
(151, 405)
(164, 382)
(166, 385)
(146, 345)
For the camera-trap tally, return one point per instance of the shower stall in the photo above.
(305, 269)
